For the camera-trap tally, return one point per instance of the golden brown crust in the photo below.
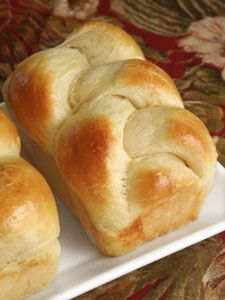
(148, 225)
(29, 226)
(153, 185)
(9, 139)
(83, 159)
(29, 89)
(138, 72)
(37, 85)
(119, 141)
(28, 215)
(188, 131)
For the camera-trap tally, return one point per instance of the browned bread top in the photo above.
(28, 214)
(116, 126)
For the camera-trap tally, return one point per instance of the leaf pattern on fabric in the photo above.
(169, 18)
(214, 278)
(182, 272)
(63, 27)
(198, 96)
(29, 26)
(204, 80)
(203, 91)
(23, 29)
(5, 70)
(118, 289)
(211, 115)
(220, 146)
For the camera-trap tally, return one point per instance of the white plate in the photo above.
(82, 267)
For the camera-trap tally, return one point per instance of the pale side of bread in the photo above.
(110, 132)
(29, 226)
(23, 278)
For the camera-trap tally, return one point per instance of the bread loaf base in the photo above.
(22, 278)
(169, 214)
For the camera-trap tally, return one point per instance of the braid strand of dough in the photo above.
(139, 163)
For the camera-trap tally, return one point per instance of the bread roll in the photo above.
(29, 227)
(109, 131)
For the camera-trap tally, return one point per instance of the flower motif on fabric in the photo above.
(80, 9)
(207, 39)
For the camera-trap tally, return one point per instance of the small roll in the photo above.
(29, 226)
(110, 132)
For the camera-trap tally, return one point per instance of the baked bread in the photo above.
(29, 227)
(109, 131)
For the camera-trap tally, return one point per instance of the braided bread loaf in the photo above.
(29, 248)
(109, 131)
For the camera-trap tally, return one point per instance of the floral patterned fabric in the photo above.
(187, 39)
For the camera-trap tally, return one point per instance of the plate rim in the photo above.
(139, 262)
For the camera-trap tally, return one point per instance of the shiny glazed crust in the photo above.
(132, 162)
(29, 225)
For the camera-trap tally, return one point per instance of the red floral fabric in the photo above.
(187, 39)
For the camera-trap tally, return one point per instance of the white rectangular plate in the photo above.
(82, 267)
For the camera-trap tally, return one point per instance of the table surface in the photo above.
(187, 39)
